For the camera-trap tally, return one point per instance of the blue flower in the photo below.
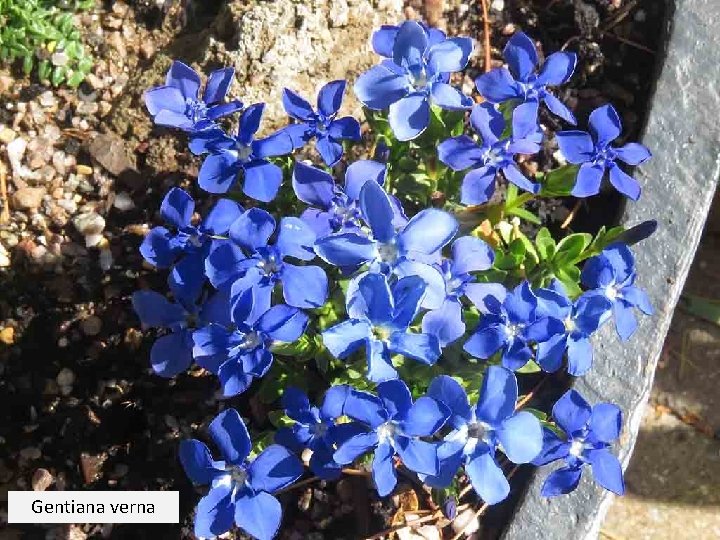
(171, 354)
(417, 74)
(241, 490)
(478, 432)
(335, 209)
(580, 318)
(589, 433)
(394, 425)
(383, 39)
(492, 155)
(186, 249)
(240, 352)
(379, 319)
(251, 262)
(509, 325)
(315, 428)
(241, 152)
(593, 152)
(408, 252)
(612, 275)
(469, 254)
(521, 82)
(323, 124)
(176, 104)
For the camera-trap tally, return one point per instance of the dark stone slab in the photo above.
(679, 182)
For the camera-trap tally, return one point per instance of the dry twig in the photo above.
(486, 35)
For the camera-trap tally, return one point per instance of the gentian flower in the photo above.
(521, 82)
(315, 428)
(612, 275)
(469, 254)
(176, 104)
(241, 489)
(589, 432)
(335, 209)
(383, 39)
(580, 318)
(479, 432)
(240, 352)
(186, 249)
(171, 354)
(241, 153)
(379, 318)
(323, 124)
(406, 252)
(251, 262)
(394, 425)
(492, 155)
(509, 325)
(417, 74)
(593, 152)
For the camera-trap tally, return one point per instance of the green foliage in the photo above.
(41, 34)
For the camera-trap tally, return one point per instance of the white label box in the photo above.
(93, 507)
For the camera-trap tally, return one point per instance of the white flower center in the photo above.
(512, 330)
(388, 253)
(250, 341)
(612, 292)
(386, 432)
(570, 325)
(242, 152)
(576, 448)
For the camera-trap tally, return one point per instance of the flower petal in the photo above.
(605, 125)
(262, 180)
(624, 183)
(558, 108)
(214, 514)
(330, 150)
(229, 433)
(379, 87)
(354, 447)
(252, 229)
(218, 172)
(221, 217)
(258, 514)
(283, 323)
(380, 367)
(296, 239)
(346, 337)
(410, 45)
(330, 97)
(448, 391)
(445, 323)
(296, 106)
(588, 180)
(425, 417)
(218, 84)
(424, 348)
(304, 286)
(478, 186)
(377, 211)
(633, 153)
(498, 85)
(418, 456)
(450, 98)
(580, 356)
(576, 146)
(571, 412)
(521, 55)
(171, 354)
(460, 153)
(373, 300)
(561, 481)
(359, 172)
(184, 78)
(513, 174)
(428, 231)
(177, 207)
(383, 40)
(346, 127)
(607, 470)
(164, 98)
(471, 254)
(409, 116)
(450, 55)
(487, 478)
(486, 341)
(521, 437)
(250, 123)
(625, 320)
(346, 250)
(498, 395)
(558, 68)
(274, 469)
(197, 462)
(605, 422)
(156, 311)
(383, 469)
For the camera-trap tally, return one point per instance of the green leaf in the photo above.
(279, 419)
(530, 367)
(545, 243)
(540, 415)
(569, 276)
(570, 249)
(524, 214)
(559, 182)
(704, 308)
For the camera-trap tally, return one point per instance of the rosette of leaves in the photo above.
(41, 36)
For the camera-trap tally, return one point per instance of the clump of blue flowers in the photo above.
(386, 325)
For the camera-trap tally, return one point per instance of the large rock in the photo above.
(298, 44)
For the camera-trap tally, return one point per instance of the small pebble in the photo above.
(91, 325)
(41, 480)
(83, 169)
(7, 335)
(30, 453)
(65, 377)
(123, 202)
